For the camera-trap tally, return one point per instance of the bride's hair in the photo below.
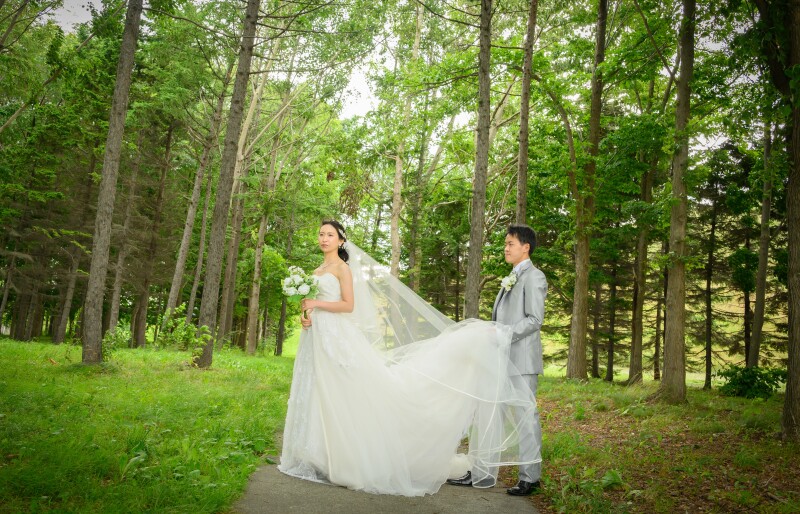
(340, 230)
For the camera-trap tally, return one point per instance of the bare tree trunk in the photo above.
(191, 213)
(763, 251)
(661, 320)
(139, 322)
(255, 290)
(596, 330)
(201, 249)
(640, 283)
(612, 318)
(524, 114)
(791, 406)
(472, 292)
(7, 288)
(140, 335)
(712, 247)
(748, 316)
(673, 386)
(397, 187)
(30, 318)
(228, 296)
(576, 358)
(208, 307)
(95, 293)
(116, 291)
(281, 335)
(61, 328)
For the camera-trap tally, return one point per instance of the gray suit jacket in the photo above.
(522, 309)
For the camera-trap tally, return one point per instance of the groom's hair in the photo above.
(524, 233)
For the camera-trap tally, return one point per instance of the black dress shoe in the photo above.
(524, 488)
(465, 480)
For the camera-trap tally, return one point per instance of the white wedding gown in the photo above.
(390, 422)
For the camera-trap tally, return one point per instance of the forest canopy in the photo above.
(163, 164)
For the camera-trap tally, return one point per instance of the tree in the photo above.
(216, 243)
(472, 292)
(584, 209)
(101, 241)
(673, 383)
(524, 113)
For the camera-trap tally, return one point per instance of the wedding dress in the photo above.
(390, 420)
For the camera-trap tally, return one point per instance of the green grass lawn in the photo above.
(148, 433)
(144, 432)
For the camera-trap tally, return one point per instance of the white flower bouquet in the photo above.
(299, 284)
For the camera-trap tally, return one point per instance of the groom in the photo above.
(520, 305)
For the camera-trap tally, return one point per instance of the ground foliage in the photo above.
(607, 448)
(147, 432)
(144, 432)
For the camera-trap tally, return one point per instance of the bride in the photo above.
(385, 387)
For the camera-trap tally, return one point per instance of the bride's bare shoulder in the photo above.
(341, 270)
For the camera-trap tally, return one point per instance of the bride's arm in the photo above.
(346, 285)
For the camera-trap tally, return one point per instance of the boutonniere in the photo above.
(508, 282)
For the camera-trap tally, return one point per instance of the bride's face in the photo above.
(328, 238)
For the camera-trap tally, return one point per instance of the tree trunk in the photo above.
(397, 187)
(673, 386)
(596, 330)
(255, 290)
(61, 328)
(30, 318)
(640, 283)
(472, 293)
(209, 145)
(712, 247)
(228, 296)
(101, 241)
(524, 115)
(201, 249)
(791, 408)
(576, 358)
(208, 307)
(116, 292)
(612, 318)
(763, 251)
(281, 335)
(149, 264)
(661, 320)
(6, 289)
(139, 322)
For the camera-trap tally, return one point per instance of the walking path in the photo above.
(270, 491)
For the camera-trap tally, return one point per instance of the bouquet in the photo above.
(299, 284)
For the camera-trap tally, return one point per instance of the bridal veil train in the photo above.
(382, 397)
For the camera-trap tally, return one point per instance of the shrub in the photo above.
(752, 382)
(119, 337)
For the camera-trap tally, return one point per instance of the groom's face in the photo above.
(515, 251)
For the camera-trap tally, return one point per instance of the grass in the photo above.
(608, 448)
(145, 432)
(148, 433)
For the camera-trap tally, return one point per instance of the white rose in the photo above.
(291, 291)
(297, 279)
(304, 289)
(287, 282)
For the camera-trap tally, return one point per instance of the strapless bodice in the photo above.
(329, 288)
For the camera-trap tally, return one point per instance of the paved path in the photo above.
(270, 491)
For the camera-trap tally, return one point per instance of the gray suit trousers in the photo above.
(531, 436)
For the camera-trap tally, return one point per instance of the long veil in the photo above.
(469, 359)
(389, 312)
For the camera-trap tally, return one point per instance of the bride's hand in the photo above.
(305, 319)
(307, 304)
